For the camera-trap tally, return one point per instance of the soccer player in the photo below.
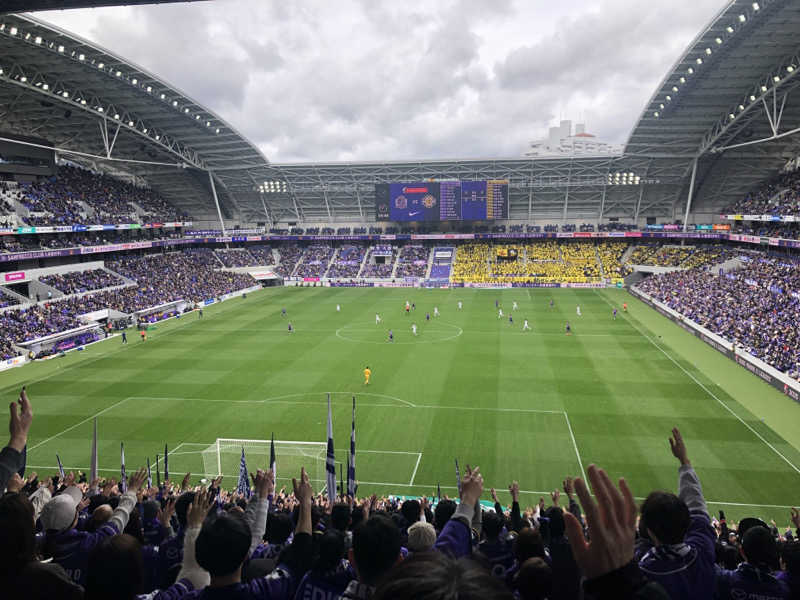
(551, 303)
(408, 308)
(124, 338)
(525, 326)
(338, 308)
(624, 307)
(615, 314)
(283, 312)
(291, 329)
(200, 313)
(414, 328)
(413, 306)
(496, 303)
(367, 373)
(427, 316)
(510, 319)
(377, 318)
(143, 333)
(408, 305)
(435, 311)
(569, 329)
(459, 305)
(578, 310)
(514, 307)
(499, 313)
(391, 336)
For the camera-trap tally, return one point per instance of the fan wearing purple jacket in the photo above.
(681, 550)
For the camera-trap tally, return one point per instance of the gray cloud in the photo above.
(366, 80)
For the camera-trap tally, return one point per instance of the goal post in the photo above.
(222, 457)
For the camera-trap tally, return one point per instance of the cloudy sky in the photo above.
(316, 80)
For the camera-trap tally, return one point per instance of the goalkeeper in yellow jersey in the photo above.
(367, 373)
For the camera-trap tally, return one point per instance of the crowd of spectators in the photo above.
(372, 268)
(347, 262)
(290, 254)
(315, 261)
(103, 539)
(787, 231)
(7, 300)
(76, 282)
(189, 275)
(680, 256)
(441, 267)
(77, 196)
(779, 196)
(756, 307)
(611, 254)
(412, 261)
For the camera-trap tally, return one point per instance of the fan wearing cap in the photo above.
(678, 532)
(753, 578)
(70, 547)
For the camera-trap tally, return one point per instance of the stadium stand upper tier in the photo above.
(778, 196)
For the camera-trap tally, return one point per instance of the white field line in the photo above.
(78, 424)
(416, 485)
(575, 445)
(709, 392)
(416, 466)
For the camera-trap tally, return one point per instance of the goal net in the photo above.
(223, 457)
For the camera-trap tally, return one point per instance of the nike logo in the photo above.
(414, 213)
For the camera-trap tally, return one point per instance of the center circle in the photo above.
(428, 332)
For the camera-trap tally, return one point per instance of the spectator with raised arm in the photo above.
(679, 528)
(756, 577)
(456, 536)
(12, 457)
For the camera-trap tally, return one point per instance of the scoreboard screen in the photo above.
(482, 200)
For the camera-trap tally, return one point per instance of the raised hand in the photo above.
(494, 495)
(513, 489)
(109, 486)
(611, 522)
(136, 480)
(165, 514)
(302, 489)
(568, 486)
(185, 482)
(678, 447)
(471, 485)
(15, 484)
(264, 483)
(19, 423)
(69, 479)
(198, 509)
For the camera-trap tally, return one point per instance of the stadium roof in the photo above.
(54, 85)
(11, 6)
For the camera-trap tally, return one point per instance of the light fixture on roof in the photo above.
(1, 70)
(763, 88)
(752, 98)
(83, 102)
(186, 110)
(708, 51)
(37, 40)
(756, 6)
(27, 36)
(742, 18)
(682, 80)
(674, 88)
(197, 117)
(776, 78)
(23, 79)
(690, 70)
(731, 116)
(81, 57)
(158, 137)
(174, 103)
(741, 107)
(217, 130)
(669, 98)
(163, 96)
(661, 106)
(61, 49)
(729, 29)
(130, 123)
(99, 109)
(149, 89)
(718, 41)
(2, 26)
(118, 73)
(13, 31)
(116, 116)
(65, 93)
(100, 65)
(655, 114)
(134, 81)
(144, 130)
(208, 123)
(790, 69)
(45, 87)
(699, 61)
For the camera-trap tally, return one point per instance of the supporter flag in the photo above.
(272, 464)
(123, 484)
(149, 475)
(458, 479)
(330, 464)
(158, 474)
(60, 468)
(166, 464)
(351, 462)
(438, 493)
(341, 480)
(93, 459)
(243, 485)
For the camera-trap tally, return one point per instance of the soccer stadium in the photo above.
(570, 373)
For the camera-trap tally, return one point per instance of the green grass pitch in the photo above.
(533, 406)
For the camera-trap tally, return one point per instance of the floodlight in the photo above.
(729, 29)
(217, 130)
(669, 98)
(37, 40)
(741, 107)
(149, 89)
(174, 103)
(134, 81)
(708, 51)
(158, 137)
(763, 88)
(790, 68)
(186, 110)
(718, 40)
(100, 65)
(61, 49)
(756, 6)
(690, 70)
(99, 109)
(674, 88)
(732, 116)
(13, 31)
(752, 98)
(65, 93)
(130, 123)
(699, 61)
(776, 78)
(661, 106)
(682, 80)
(81, 57)
(23, 79)
(116, 116)
(118, 73)
(742, 18)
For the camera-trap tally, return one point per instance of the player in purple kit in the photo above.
(551, 303)
(427, 316)
(569, 329)
(615, 314)
(510, 319)
(391, 336)
(291, 329)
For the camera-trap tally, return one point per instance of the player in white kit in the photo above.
(499, 313)
(414, 328)
(515, 307)
(435, 311)
(578, 310)
(459, 305)
(377, 318)
(338, 308)
(525, 326)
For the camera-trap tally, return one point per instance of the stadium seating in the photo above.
(76, 282)
(347, 263)
(779, 196)
(412, 261)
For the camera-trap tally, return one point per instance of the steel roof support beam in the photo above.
(216, 201)
(691, 193)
